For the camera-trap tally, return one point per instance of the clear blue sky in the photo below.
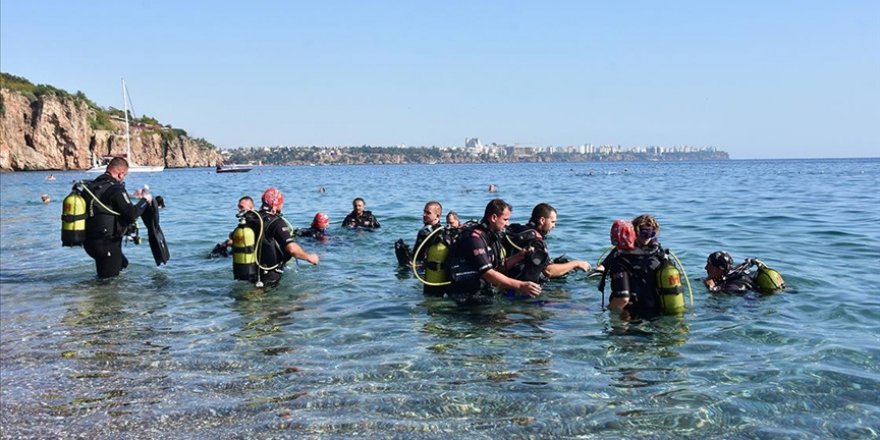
(759, 79)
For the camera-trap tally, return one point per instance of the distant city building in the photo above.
(473, 145)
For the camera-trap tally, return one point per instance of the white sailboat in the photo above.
(99, 166)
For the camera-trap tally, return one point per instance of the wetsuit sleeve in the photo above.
(374, 222)
(282, 233)
(476, 253)
(120, 202)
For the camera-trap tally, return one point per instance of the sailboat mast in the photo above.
(127, 133)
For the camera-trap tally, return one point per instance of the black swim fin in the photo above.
(403, 254)
(154, 232)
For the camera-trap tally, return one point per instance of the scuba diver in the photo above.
(359, 218)
(245, 207)
(477, 260)
(431, 221)
(644, 281)
(723, 276)
(537, 266)
(429, 251)
(109, 217)
(318, 229)
(263, 244)
(452, 220)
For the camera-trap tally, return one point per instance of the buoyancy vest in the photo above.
(102, 223)
(270, 254)
(636, 271)
(737, 282)
(518, 237)
(466, 279)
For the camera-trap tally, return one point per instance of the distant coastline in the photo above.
(369, 155)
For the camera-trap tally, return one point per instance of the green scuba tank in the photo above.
(669, 287)
(73, 218)
(768, 280)
(244, 252)
(434, 259)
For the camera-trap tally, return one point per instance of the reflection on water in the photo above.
(351, 348)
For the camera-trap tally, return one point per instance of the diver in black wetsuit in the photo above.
(318, 229)
(276, 245)
(359, 218)
(110, 215)
(476, 261)
(723, 276)
(538, 266)
(431, 221)
(633, 272)
(245, 208)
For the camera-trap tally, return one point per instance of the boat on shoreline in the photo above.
(100, 165)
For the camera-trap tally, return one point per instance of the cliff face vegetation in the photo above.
(43, 128)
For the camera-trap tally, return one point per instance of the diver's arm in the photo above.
(514, 259)
(527, 288)
(120, 203)
(617, 303)
(297, 252)
(556, 270)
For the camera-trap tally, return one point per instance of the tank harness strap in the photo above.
(242, 249)
(99, 192)
(73, 218)
(602, 286)
(272, 242)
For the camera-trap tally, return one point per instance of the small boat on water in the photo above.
(233, 168)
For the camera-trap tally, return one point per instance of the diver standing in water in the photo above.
(431, 221)
(245, 208)
(274, 245)
(633, 268)
(538, 266)
(477, 262)
(110, 215)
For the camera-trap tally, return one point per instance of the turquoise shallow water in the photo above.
(350, 348)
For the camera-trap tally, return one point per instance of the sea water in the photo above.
(351, 348)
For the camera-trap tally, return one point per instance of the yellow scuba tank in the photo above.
(434, 259)
(768, 280)
(669, 287)
(244, 252)
(73, 218)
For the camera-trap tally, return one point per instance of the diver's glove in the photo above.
(219, 251)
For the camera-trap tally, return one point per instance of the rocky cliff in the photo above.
(52, 132)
